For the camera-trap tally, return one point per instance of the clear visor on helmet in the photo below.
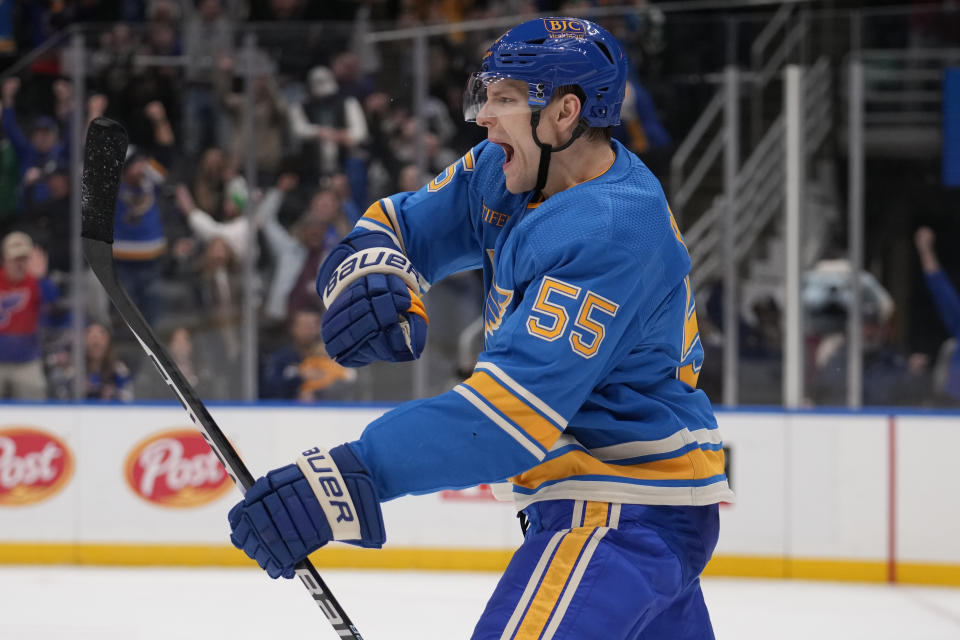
(496, 96)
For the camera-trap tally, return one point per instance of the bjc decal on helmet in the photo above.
(176, 469)
(34, 465)
(558, 26)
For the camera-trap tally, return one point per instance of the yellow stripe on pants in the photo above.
(595, 514)
(554, 581)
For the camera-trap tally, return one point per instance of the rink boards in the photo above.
(857, 496)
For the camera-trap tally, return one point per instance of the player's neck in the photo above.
(581, 161)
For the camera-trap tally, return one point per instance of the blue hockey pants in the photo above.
(605, 571)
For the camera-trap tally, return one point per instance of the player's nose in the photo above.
(484, 117)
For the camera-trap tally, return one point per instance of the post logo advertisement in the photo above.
(34, 465)
(176, 468)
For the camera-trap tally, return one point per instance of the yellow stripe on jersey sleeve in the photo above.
(468, 161)
(551, 588)
(376, 212)
(515, 409)
(693, 465)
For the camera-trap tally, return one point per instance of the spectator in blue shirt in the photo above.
(302, 370)
(948, 304)
(139, 239)
(41, 152)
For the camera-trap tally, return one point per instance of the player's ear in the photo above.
(568, 113)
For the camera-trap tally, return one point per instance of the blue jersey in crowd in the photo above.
(138, 233)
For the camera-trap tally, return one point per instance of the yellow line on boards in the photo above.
(941, 574)
(747, 566)
(220, 555)
(446, 559)
(48, 553)
(831, 569)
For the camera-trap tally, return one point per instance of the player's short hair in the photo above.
(592, 134)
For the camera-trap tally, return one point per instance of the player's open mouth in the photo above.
(508, 150)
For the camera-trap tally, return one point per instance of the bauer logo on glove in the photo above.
(374, 311)
(296, 509)
(366, 262)
(327, 485)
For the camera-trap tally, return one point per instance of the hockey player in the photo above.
(584, 396)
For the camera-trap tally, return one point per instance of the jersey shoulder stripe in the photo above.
(376, 213)
(526, 441)
(371, 224)
(517, 410)
(523, 392)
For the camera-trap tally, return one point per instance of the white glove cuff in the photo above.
(363, 263)
(328, 486)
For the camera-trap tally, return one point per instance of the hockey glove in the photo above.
(373, 310)
(296, 509)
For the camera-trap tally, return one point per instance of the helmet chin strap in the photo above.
(546, 149)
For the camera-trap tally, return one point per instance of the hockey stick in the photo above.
(106, 148)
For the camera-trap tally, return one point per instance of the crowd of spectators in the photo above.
(335, 130)
(892, 373)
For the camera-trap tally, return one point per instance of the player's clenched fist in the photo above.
(296, 509)
(373, 310)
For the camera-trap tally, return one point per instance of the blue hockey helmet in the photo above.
(553, 52)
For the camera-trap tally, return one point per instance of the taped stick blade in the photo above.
(104, 154)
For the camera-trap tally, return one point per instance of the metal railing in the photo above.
(765, 63)
(704, 141)
(759, 181)
(684, 184)
(903, 98)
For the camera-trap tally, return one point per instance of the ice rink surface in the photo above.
(46, 603)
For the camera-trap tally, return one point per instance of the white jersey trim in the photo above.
(600, 491)
(373, 225)
(392, 215)
(497, 419)
(521, 391)
(639, 448)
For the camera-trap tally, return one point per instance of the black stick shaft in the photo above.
(105, 148)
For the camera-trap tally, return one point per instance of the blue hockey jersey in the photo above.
(586, 386)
